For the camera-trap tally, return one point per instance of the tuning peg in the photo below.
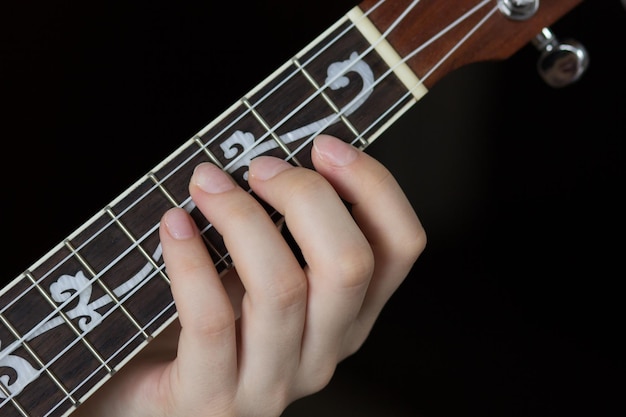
(560, 63)
(518, 9)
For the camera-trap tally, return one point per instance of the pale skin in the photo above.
(270, 331)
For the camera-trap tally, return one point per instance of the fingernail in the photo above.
(210, 178)
(179, 224)
(266, 167)
(334, 151)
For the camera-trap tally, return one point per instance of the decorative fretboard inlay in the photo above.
(242, 147)
(94, 301)
(76, 298)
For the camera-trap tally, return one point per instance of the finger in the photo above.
(273, 307)
(206, 364)
(383, 213)
(338, 257)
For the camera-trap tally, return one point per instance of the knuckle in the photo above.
(313, 379)
(356, 337)
(321, 377)
(271, 401)
(285, 294)
(193, 266)
(413, 245)
(355, 265)
(219, 323)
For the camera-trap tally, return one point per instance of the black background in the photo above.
(516, 306)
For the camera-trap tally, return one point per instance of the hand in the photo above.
(271, 331)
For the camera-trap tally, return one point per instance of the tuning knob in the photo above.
(560, 63)
(518, 9)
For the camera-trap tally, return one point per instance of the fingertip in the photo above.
(179, 224)
(211, 179)
(333, 151)
(267, 167)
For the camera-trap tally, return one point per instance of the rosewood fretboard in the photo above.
(95, 300)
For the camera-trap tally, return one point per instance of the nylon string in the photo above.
(383, 36)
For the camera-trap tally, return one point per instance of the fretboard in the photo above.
(100, 296)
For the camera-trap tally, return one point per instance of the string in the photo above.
(385, 75)
(55, 312)
(319, 91)
(411, 91)
(188, 159)
(360, 135)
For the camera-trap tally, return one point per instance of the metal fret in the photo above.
(221, 260)
(270, 130)
(69, 323)
(208, 153)
(329, 101)
(379, 82)
(173, 177)
(387, 53)
(291, 107)
(104, 287)
(172, 200)
(166, 193)
(127, 232)
(37, 359)
(376, 98)
(7, 394)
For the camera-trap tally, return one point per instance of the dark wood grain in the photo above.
(115, 245)
(497, 39)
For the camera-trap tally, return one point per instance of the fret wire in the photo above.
(419, 84)
(173, 201)
(162, 188)
(127, 343)
(352, 25)
(269, 93)
(222, 258)
(385, 50)
(102, 285)
(89, 283)
(328, 100)
(325, 47)
(123, 347)
(5, 391)
(37, 359)
(328, 44)
(425, 77)
(189, 202)
(127, 232)
(8, 397)
(313, 96)
(68, 321)
(371, 127)
(206, 150)
(104, 316)
(308, 61)
(269, 129)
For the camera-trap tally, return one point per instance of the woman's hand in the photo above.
(270, 331)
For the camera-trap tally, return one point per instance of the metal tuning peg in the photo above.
(518, 9)
(560, 63)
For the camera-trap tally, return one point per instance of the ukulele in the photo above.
(95, 300)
